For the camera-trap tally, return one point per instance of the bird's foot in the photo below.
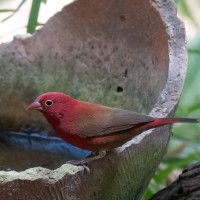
(87, 160)
(79, 162)
(83, 162)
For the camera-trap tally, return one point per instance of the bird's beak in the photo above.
(34, 106)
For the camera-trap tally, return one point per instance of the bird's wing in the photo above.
(107, 121)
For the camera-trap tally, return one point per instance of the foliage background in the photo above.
(184, 148)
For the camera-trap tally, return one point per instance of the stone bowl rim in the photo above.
(156, 110)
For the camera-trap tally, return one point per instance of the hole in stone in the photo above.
(122, 17)
(119, 89)
(126, 72)
(152, 60)
(115, 49)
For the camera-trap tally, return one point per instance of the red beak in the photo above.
(34, 106)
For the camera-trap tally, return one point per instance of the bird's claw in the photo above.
(83, 162)
(80, 162)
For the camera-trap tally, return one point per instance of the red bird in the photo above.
(92, 126)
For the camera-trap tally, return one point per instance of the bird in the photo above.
(92, 126)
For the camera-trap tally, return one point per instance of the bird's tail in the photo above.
(163, 121)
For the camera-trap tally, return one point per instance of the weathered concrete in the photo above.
(129, 54)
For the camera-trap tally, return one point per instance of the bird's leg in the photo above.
(87, 160)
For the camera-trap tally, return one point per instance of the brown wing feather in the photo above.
(105, 120)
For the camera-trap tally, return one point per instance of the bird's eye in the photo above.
(48, 102)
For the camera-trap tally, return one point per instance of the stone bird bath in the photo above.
(129, 54)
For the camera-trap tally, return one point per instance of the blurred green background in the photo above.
(184, 148)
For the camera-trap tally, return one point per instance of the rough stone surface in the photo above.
(129, 54)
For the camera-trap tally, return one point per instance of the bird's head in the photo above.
(53, 104)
